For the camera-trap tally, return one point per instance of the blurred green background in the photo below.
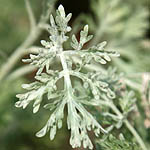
(125, 24)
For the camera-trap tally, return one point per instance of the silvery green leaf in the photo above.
(52, 105)
(84, 36)
(100, 60)
(44, 43)
(40, 70)
(84, 33)
(26, 60)
(31, 86)
(131, 94)
(97, 132)
(95, 91)
(54, 38)
(127, 102)
(85, 85)
(89, 38)
(49, 106)
(32, 95)
(121, 137)
(47, 65)
(103, 84)
(22, 103)
(68, 29)
(18, 104)
(87, 143)
(33, 56)
(59, 124)
(74, 46)
(62, 11)
(111, 94)
(101, 46)
(53, 132)
(45, 76)
(36, 108)
(52, 21)
(52, 31)
(21, 96)
(38, 100)
(50, 95)
(42, 78)
(107, 57)
(74, 42)
(68, 17)
(26, 86)
(42, 132)
(110, 128)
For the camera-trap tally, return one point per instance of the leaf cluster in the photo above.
(113, 143)
(99, 86)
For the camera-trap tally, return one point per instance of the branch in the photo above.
(25, 69)
(33, 50)
(30, 14)
(44, 26)
(129, 126)
(21, 50)
(21, 72)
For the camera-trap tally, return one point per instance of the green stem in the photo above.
(129, 126)
(136, 135)
(21, 50)
(66, 72)
(30, 14)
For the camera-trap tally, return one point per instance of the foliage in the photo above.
(123, 25)
(99, 94)
(79, 120)
(112, 143)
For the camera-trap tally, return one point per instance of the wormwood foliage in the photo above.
(97, 87)
(112, 143)
(124, 24)
(120, 19)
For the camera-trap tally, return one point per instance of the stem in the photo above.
(21, 72)
(21, 50)
(66, 72)
(136, 135)
(129, 126)
(30, 14)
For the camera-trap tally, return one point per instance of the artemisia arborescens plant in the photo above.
(98, 88)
